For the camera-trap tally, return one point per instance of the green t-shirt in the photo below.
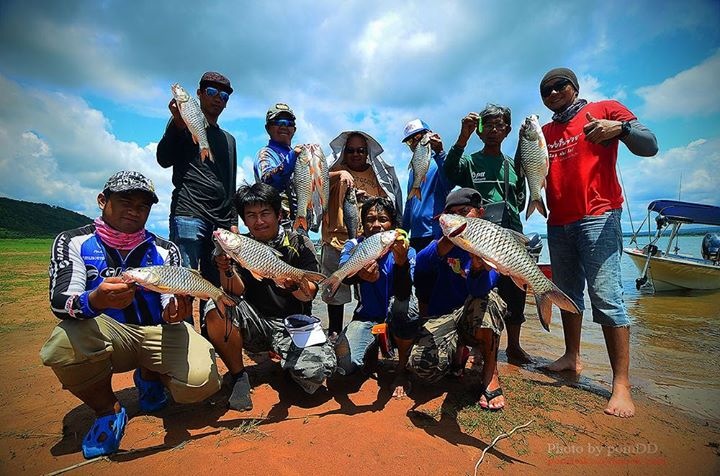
(486, 174)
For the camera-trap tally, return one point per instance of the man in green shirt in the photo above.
(485, 172)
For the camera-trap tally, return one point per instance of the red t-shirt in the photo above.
(582, 179)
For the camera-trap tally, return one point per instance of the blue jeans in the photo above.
(194, 238)
(589, 250)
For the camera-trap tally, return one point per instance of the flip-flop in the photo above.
(489, 396)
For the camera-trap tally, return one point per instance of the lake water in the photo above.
(675, 340)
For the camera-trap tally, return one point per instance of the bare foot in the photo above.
(621, 403)
(566, 362)
(492, 398)
(400, 386)
(516, 354)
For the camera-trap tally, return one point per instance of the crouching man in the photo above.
(109, 326)
(264, 306)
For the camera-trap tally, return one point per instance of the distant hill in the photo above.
(19, 219)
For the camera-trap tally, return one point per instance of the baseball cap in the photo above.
(277, 109)
(129, 181)
(212, 77)
(463, 196)
(304, 330)
(560, 73)
(413, 127)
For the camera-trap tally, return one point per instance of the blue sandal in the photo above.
(151, 393)
(105, 435)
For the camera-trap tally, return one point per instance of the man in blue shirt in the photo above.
(275, 162)
(109, 326)
(382, 284)
(419, 213)
(454, 291)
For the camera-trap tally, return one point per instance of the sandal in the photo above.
(104, 437)
(151, 393)
(489, 396)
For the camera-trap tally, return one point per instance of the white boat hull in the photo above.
(673, 272)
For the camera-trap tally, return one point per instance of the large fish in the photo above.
(261, 260)
(194, 119)
(321, 175)
(178, 280)
(303, 183)
(534, 162)
(367, 251)
(420, 164)
(351, 217)
(505, 251)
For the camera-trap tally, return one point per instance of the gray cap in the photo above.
(560, 73)
(130, 181)
(278, 109)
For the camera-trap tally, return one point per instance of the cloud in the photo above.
(688, 93)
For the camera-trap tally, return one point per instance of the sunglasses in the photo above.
(354, 150)
(558, 86)
(212, 92)
(283, 122)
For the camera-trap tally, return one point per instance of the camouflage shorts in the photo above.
(308, 366)
(432, 355)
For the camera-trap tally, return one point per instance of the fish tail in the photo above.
(330, 286)
(538, 205)
(206, 153)
(562, 300)
(415, 192)
(300, 222)
(544, 309)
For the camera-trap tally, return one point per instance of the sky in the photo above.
(85, 85)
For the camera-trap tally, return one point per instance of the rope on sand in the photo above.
(498, 438)
(82, 463)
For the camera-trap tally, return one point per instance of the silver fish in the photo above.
(534, 161)
(178, 280)
(420, 164)
(321, 175)
(303, 183)
(261, 260)
(367, 251)
(505, 251)
(351, 218)
(194, 119)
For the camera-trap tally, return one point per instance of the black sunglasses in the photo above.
(353, 150)
(546, 91)
(212, 92)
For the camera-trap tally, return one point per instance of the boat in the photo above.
(671, 270)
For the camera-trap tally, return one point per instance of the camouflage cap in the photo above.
(277, 109)
(212, 77)
(130, 181)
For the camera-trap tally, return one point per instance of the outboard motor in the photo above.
(535, 246)
(711, 247)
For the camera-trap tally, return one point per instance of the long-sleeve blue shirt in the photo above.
(374, 298)
(445, 282)
(274, 165)
(418, 216)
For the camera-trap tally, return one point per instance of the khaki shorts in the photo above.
(329, 263)
(84, 352)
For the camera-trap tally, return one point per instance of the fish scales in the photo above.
(173, 280)
(420, 164)
(303, 184)
(194, 119)
(351, 218)
(321, 177)
(535, 162)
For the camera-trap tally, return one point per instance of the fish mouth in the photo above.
(457, 231)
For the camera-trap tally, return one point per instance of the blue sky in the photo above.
(85, 84)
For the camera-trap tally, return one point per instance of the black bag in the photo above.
(499, 212)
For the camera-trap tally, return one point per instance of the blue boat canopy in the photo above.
(686, 212)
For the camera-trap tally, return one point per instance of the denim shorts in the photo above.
(589, 250)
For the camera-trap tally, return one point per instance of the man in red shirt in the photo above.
(584, 233)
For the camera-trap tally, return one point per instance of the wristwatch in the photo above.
(625, 130)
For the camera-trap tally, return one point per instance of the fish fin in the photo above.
(300, 222)
(194, 139)
(562, 300)
(544, 309)
(313, 276)
(519, 283)
(256, 275)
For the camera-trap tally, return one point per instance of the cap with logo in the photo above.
(212, 78)
(304, 330)
(277, 110)
(130, 181)
(413, 127)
